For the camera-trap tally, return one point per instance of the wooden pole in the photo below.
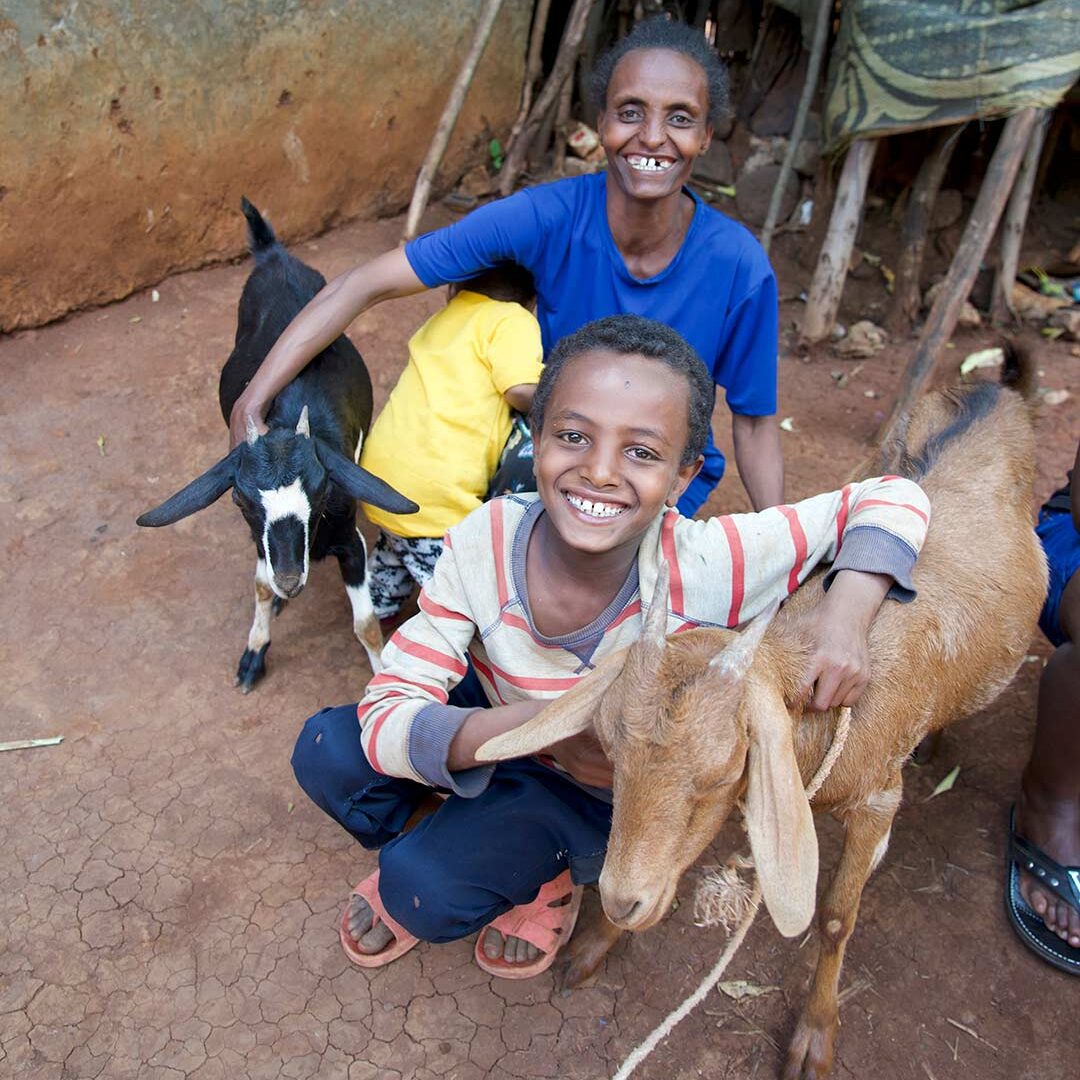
(532, 65)
(514, 164)
(562, 122)
(813, 69)
(978, 233)
(907, 294)
(1012, 228)
(449, 118)
(832, 265)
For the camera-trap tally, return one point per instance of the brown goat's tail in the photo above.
(1019, 371)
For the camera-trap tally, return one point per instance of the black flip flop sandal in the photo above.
(1063, 881)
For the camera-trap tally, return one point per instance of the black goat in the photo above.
(298, 484)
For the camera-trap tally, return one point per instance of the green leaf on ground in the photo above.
(946, 784)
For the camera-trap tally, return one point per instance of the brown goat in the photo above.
(696, 724)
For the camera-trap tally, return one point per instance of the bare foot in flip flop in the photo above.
(524, 941)
(1055, 829)
(370, 939)
(513, 950)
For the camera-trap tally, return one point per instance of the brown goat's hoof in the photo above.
(587, 949)
(810, 1055)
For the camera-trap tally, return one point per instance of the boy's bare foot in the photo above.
(1053, 827)
(373, 939)
(370, 939)
(513, 950)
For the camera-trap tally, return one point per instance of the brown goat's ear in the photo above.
(565, 716)
(654, 630)
(778, 817)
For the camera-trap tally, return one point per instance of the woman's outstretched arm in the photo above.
(323, 320)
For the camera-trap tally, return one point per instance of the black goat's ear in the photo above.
(200, 493)
(360, 484)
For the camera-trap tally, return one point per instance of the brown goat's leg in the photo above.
(810, 1054)
(588, 947)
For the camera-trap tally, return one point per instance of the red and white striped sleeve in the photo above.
(876, 526)
(422, 662)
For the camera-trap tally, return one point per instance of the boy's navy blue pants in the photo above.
(472, 859)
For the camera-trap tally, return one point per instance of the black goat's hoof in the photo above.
(251, 669)
(277, 605)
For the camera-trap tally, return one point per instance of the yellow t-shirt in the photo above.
(440, 434)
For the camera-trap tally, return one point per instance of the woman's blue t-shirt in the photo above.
(719, 291)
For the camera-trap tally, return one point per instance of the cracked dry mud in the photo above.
(169, 899)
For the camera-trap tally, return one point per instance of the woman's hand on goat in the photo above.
(239, 419)
(838, 668)
(584, 759)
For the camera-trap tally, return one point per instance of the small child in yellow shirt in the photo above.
(443, 428)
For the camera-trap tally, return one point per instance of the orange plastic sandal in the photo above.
(545, 923)
(403, 940)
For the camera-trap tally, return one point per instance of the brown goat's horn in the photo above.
(654, 632)
(251, 430)
(303, 426)
(735, 660)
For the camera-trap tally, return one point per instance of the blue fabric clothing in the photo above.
(463, 865)
(718, 291)
(1061, 542)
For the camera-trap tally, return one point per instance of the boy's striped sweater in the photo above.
(723, 572)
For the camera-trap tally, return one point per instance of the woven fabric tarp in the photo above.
(903, 66)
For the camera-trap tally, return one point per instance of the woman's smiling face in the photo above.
(608, 459)
(655, 121)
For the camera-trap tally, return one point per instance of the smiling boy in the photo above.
(535, 591)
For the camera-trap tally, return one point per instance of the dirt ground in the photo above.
(168, 897)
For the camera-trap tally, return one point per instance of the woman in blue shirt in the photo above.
(633, 240)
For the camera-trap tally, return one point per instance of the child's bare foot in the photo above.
(513, 950)
(371, 937)
(1053, 827)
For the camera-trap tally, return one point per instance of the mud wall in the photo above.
(130, 129)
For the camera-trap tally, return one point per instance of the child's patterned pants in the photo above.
(395, 563)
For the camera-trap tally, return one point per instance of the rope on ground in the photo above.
(664, 1029)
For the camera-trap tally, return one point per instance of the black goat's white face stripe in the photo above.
(282, 502)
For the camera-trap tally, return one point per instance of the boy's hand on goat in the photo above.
(838, 667)
(584, 759)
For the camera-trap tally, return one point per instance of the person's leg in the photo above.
(389, 582)
(1048, 808)
(419, 554)
(477, 858)
(330, 766)
(329, 763)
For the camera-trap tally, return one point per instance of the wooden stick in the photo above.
(978, 233)
(532, 65)
(832, 265)
(449, 118)
(562, 123)
(1012, 228)
(907, 294)
(514, 164)
(817, 51)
